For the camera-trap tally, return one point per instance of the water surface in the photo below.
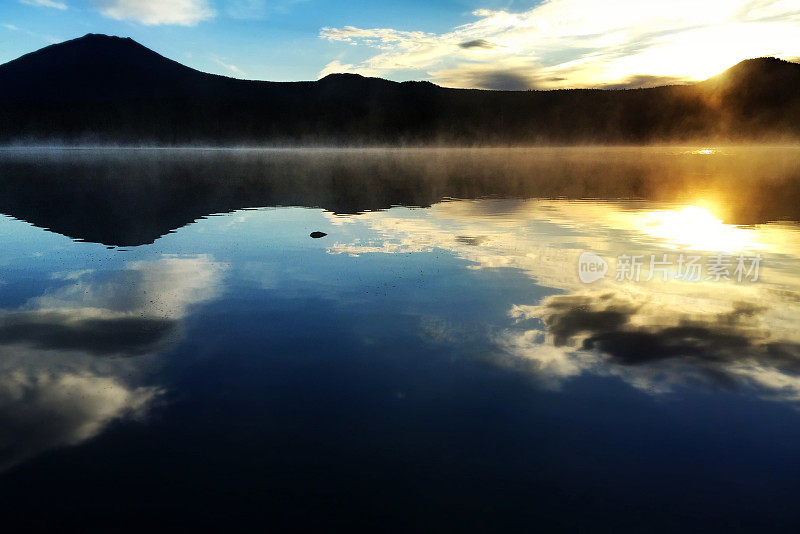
(174, 347)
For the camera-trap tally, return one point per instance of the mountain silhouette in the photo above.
(756, 77)
(109, 89)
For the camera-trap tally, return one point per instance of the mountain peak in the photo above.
(89, 43)
(95, 66)
(351, 78)
(101, 37)
(343, 76)
(763, 73)
(765, 62)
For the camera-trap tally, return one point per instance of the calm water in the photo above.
(176, 349)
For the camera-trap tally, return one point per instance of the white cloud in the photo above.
(336, 67)
(229, 66)
(163, 289)
(158, 12)
(580, 43)
(55, 4)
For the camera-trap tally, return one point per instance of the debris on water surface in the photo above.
(317, 235)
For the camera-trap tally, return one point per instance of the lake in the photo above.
(534, 339)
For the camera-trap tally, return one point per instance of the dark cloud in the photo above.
(570, 315)
(633, 347)
(642, 81)
(477, 43)
(500, 80)
(128, 336)
(471, 240)
(704, 345)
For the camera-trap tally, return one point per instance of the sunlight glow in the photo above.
(698, 229)
(580, 43)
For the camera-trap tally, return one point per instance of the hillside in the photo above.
(110, 89)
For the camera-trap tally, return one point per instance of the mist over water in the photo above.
(163, 190)
(436, 358)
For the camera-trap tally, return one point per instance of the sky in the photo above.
(487, 44)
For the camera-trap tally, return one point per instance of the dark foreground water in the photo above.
(438, 361)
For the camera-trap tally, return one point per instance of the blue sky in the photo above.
(460, 43)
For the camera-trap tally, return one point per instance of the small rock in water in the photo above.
(317, 235)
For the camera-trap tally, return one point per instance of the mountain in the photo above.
(113, 90)
(762, 77)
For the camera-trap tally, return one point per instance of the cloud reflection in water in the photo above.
(71, 359)
(654, 335)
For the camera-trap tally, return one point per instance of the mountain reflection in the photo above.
(72, 359)
(133, 197)
(656, 335)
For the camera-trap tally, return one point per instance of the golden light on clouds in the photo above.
(581, 43)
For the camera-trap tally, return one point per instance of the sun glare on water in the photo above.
(697, 228)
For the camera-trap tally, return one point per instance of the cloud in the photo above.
(158, 12)
(45, 410)
(46, 3)
(336, 67)
(583, 43)
(512, 81)
(163, 288)
(640, 81)
(70, 358)
(229, 66)
(476, 43)
(489, 77)
(656, 346)
(54, 330)
(124, 313)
